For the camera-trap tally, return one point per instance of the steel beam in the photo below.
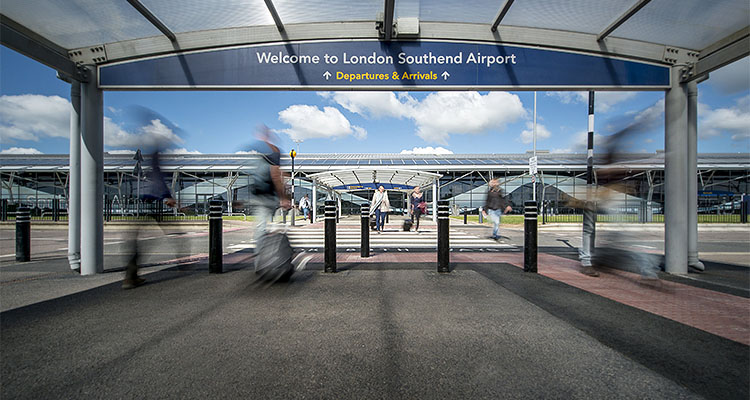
(388, 19)
(621, 20)
(274, 15)
(18, 38)
(501, 14)
(510, 35)
(726, 51)
(153, 19)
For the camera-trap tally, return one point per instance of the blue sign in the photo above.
(374, 186)
(370, 64)
(714, 193)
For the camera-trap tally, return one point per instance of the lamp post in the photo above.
(292, 154)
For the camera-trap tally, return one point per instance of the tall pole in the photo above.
(675, 174)
(92, 176)
(692, 176)
(533, 178)
(74, 179)
(588, 238)
(292, 154)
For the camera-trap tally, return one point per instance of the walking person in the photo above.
(155, 194)
(417, 206)
(304, 206)
(380, 207)
(267, 191)
(494, 206)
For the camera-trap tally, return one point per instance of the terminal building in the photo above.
(636, 193)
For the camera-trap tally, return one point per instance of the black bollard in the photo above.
(23, 234)
(55, 210)
(4, 210)
(529, 236)
(466, 217)
(330, 236)
(443, 225)
(215, 247)
(365, 246)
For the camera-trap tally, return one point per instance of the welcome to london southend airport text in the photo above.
(377, 59)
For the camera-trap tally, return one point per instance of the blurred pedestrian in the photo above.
(494, 207)
(267, 190)
(155, 194)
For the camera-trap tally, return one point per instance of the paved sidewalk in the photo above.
(715, 312)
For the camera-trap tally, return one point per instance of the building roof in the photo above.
(317, 163)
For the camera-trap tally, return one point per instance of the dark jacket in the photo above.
(495, 200)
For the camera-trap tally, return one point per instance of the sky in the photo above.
(35, 112)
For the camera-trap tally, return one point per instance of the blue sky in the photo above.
(34, 117)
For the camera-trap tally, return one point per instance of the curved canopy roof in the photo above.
(64, 34)
(364, 178)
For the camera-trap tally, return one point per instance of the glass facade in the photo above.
(632, 195)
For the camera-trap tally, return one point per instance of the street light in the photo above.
(292, 154)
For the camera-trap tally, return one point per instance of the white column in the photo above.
(434, 200)
(92, 176)
(314, 199)
(675, 175)
(692, 177)
(74, 178)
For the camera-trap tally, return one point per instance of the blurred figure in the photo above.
(153, 195)
(604, 200)
(494, 207)
(267, 191)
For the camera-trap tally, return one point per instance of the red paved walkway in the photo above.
(718, 313)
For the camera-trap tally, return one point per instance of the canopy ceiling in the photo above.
(354, 179)
(74, 32)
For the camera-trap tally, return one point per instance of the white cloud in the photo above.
(732, 120)
(603, 101)
(427, 150)
(308, 122)
(148, 137)
(120, 151)
(651, 117)
(21, 150)
(33, 117)
(527, 136)
(440, 114)
(371, 104)
(181, 150)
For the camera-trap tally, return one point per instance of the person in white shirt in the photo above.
(304, 206)
(380, 207)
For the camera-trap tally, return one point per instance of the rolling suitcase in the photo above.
(273, 259)
(407, 225)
